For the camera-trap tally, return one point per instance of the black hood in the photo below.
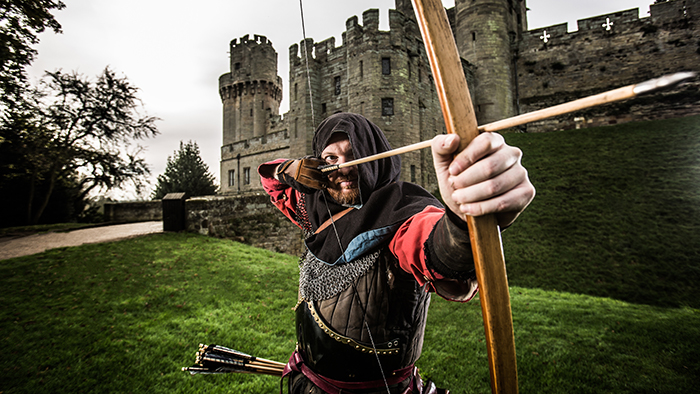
(386, 201)
(366, 139)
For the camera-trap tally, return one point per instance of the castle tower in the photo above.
(383, 75)
(487, 35)
(251, 93)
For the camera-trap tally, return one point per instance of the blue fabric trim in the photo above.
(365, 242)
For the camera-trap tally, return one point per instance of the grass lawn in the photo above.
(603, 270)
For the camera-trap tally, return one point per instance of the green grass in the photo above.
(617, 213)
(603, 270)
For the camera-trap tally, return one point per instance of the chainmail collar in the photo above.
(320, 281)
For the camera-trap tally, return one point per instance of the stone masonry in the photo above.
(385, 76)
(610, 51)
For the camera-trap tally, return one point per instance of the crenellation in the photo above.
(385, 76)
(370, 20)
(607, 51)
(674, 11)
(351, 23)
(609, 22)
(323, 48)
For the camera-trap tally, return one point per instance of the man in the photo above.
(376, 247)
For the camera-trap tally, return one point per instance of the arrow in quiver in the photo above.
(214, 359)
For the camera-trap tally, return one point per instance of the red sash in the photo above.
(331, 386)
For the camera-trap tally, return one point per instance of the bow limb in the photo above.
(484, 233)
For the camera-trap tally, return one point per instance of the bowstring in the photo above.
(335, 230)
(306, 57)
(357, 293)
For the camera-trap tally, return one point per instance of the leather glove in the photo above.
(304, 172)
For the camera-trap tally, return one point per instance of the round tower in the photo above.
(487, 33)
(252, 91)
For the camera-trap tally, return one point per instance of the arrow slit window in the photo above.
(387, 106)
(386, 66)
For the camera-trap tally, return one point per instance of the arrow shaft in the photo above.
(610, 96)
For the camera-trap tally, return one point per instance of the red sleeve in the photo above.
(282, 195)
(408, 247)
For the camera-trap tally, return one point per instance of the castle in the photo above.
(385, 76)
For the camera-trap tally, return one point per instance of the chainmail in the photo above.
(320, 281)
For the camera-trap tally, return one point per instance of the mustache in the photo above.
(337, 181)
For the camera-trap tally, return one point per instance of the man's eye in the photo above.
(331, 159)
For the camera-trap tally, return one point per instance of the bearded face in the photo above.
(345, 195)
(344, 183)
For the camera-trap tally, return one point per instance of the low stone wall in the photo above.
(129, 212)
(250, 219)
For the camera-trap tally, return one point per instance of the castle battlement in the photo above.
(246, 41)
(616, 22)
(385, 75)
(359, 34)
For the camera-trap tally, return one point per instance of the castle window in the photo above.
(231, 177)
(246, 176)
(473, 36)
(296, 127)
(251, 110)
(336, 83)
(296, 88)
(323, 108)
(237, 66)
(387, 106)
(386, 65)
(413, 173)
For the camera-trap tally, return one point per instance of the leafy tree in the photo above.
(72, 128)
(186, 172)
(20, 22)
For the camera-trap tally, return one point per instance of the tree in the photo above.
(186, 172)
(68, 127)
(20, 22)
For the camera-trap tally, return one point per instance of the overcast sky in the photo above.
(175, 50)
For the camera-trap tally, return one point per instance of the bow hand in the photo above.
(486, 177)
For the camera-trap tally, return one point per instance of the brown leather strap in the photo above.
(333, 219)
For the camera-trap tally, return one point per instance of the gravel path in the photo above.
(38, 243)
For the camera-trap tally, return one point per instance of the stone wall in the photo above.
(606, 52)
(249, 218)
(129, 212)
(383, 75)
(530, 69)
(240, 160)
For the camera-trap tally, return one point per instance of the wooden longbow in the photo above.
(484, 233)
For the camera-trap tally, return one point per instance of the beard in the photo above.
(345, 196)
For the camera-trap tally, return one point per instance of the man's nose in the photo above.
(345, 170)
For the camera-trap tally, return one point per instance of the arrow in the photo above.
(630, 91)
